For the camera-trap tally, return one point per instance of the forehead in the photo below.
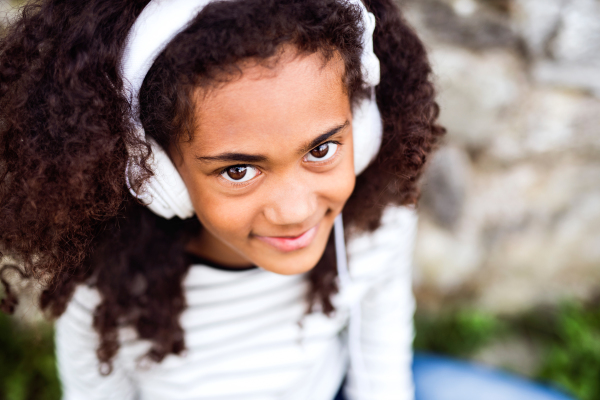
(288, 102)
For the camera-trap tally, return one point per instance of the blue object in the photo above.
(443, 378)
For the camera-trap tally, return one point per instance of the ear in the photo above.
(164, 193)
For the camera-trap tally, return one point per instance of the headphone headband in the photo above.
(159, 22)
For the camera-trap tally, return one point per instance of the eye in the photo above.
(322, 152)
(239, 173)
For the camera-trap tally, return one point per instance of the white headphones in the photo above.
(160, 21)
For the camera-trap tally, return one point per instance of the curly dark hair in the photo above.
(66, 214)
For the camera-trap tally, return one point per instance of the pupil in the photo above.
(237, 173)
(320, 151)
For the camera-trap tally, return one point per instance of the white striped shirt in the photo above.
(247, 336)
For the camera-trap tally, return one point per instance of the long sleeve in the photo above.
(381, 262)
(76, 342)
(222, 333)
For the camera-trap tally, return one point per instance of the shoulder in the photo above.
(79, 314)
(387, 249)
(76, 325)
(398, 224)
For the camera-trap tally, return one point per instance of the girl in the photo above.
(175, 172)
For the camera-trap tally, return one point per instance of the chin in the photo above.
(297, 261)
(293, 264)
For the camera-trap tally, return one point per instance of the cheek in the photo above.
(338, 190)
(340, 184)
(228, 218)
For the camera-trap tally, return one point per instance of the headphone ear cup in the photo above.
(165, 192)
(367, 131)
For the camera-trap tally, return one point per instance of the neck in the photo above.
(207, 246)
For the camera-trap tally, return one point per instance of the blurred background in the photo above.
(507, 263)
(508, 253)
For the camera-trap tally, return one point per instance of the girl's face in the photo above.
(271, 163)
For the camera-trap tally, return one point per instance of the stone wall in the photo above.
(8, 11)
(510, 215)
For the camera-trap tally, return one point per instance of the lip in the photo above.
(287, 243)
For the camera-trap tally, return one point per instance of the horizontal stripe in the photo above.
(248, 336)
(243, 295)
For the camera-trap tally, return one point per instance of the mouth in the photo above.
(290, 243)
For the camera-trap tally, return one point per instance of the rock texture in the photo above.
(8, 11)
(510, 215)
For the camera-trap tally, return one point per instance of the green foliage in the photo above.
(458, 334)
(27, 364)
(569, 338)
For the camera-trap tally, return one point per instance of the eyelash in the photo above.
(222, 171)
(233, 183)
(332, 158)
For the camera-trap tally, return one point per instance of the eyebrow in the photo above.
(321, 138)
(255, 158)
(234, 157)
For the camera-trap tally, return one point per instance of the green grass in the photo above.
(458, 334)
(568, 336)
(27, 363)
(572, 349)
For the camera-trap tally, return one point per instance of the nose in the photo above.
(291, 202)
